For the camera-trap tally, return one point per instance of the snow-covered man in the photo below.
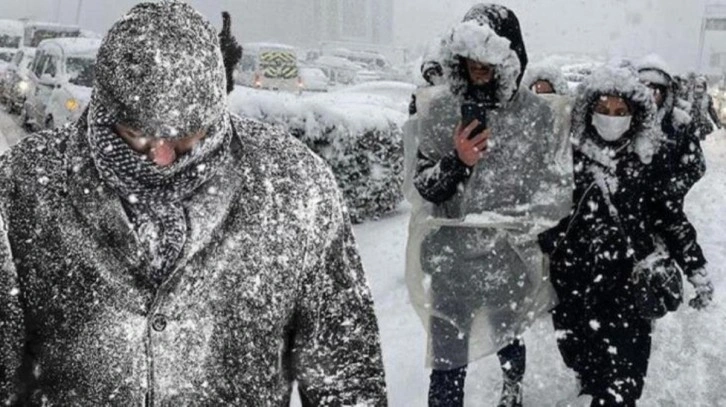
(161, 251)
(474, 269)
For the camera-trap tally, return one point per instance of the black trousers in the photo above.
(608, 351)
(447, 386)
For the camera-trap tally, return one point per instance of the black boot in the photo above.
(513, 359)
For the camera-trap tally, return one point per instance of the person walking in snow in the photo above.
(162, 251)
(703, 111)
(681, 164)
(545, 79)
(474, 269)
(613, 237)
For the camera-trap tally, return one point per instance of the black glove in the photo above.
(231, 50)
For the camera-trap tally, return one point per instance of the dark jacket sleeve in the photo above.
(437, 180)
(690, 162)
(678, 234)
(336, 350)
(11, 323)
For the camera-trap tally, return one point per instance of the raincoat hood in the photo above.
(160, 70)
(643, 137)
(489, 33)
(546, 72)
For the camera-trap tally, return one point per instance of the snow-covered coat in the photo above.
(546, 72)
(618, 217)
(680, 162)
(473, 264)
(266, 286)
(269, 289)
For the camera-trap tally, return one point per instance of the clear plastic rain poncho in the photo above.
(474, 270)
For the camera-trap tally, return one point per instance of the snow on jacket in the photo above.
(546, 72)
(618, 214)
(491, 212)
(261, 283)
(269, 289)
(680, 162)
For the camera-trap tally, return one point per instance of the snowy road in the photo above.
(688, 353)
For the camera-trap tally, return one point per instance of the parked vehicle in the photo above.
(15, 83)
(269, 66)
(62, 78)
(314, 80)
(339, 70)
(35, 32)
(11, 37)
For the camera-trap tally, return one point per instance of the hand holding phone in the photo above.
(470, 147)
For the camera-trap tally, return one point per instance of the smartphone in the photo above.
(474, 111)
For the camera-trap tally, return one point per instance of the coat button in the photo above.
(158, 323)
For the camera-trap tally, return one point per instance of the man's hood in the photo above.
(489, 33)
(644, 134)
(160, 70)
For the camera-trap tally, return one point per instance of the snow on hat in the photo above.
(488, 33)
(546, 72)
(160, 70)
(653, 69)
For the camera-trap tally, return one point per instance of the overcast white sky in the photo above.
(600, 27)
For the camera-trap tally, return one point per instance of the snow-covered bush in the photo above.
(359, 137)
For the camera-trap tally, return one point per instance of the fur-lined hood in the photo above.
(546, 72)
(644, 135)
(489, 33)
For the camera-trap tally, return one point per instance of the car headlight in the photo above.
(72, 104)
(23, 86)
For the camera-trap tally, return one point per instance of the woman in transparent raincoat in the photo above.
(474, 269)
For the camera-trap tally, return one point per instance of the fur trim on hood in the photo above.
(489, 33)
(644, 135)
(546, 72)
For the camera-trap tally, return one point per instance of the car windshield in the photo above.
(80, 71)
(9, 41)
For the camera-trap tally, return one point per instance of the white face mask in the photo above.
(611, 128)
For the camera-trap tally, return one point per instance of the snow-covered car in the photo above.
(36, 32)
(269, 66)
(11, 38)
(15, 83)
(366, 75)
(314, 80)
(339, 70)
(62, 78)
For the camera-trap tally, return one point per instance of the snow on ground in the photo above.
(688, 349)
(688, 346)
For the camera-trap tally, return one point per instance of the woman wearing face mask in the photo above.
(593, 252)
